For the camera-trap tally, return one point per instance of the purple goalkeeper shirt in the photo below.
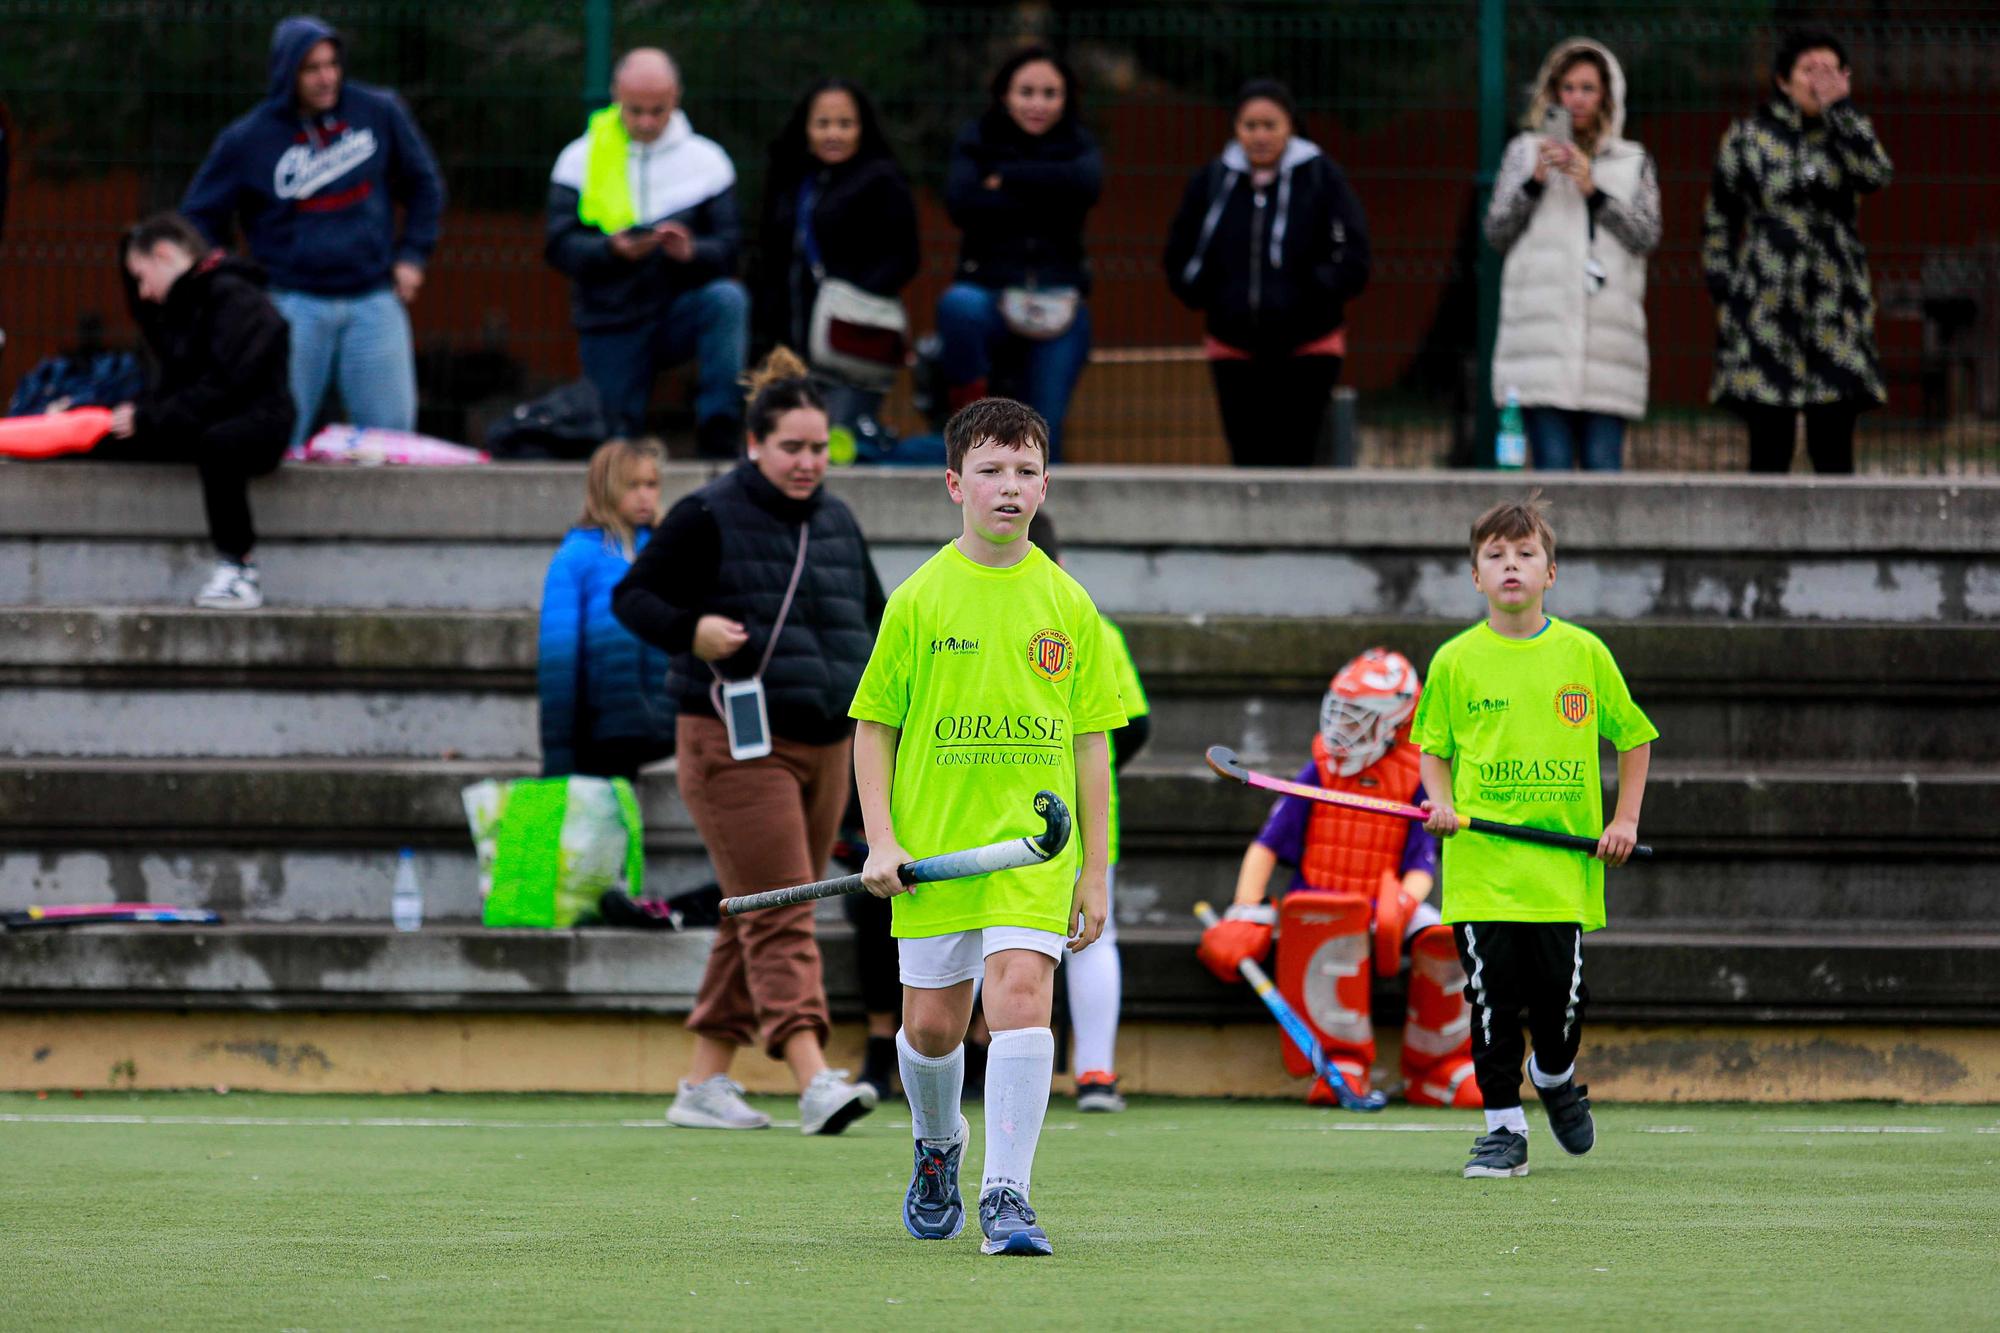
(1284, 832)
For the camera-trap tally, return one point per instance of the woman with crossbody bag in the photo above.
(839, 244)
(1022, 180)
(761, 586)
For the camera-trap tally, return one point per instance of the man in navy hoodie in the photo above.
(314, 174)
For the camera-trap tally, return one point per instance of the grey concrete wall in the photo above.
(1188, 542)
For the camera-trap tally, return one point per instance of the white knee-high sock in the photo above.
(932, 1083)
(1096, 982)
(1018, 1068)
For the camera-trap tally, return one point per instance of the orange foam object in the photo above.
(51, 433)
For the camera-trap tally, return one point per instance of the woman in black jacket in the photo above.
(1022, 179)
(762, 576)
(836, 205)
(222, 399)
(1270, 244)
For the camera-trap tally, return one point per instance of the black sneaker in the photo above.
(1498, 1155)
(1569, 1117)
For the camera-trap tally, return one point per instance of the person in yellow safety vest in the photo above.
(642, 219)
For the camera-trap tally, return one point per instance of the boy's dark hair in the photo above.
(1042, 532)
(172, 227)
(1799, 41)
(1511, 520)
(1001, 420)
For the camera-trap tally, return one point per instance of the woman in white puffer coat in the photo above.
(1576, 217)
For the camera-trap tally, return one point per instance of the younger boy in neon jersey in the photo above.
(989, 682)
(1509, 727)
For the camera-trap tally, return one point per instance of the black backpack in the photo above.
(567, 423)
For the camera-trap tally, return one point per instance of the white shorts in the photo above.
(937, 961)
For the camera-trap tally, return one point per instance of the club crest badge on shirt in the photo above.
(1574, 704)
(1052, 655)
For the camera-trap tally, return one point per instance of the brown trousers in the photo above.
(768, 823)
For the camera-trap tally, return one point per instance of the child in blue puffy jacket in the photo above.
(604, 705)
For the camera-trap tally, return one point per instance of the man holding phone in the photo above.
(642, 218)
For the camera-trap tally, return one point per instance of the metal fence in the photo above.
(114, 102)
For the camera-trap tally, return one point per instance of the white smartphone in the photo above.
(743, 714)
(1556, 125)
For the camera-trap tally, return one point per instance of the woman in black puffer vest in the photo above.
(1022, 179)
(836, 205)
(1270, 245)
(708, 589)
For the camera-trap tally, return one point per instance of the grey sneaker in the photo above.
(714, 1103)
(1498, 1155)
(231, 587)
(933, 1209)
(1569, 1117)
(1009, 1224)
(830, 1103)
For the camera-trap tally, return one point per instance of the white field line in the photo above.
(425, 1122)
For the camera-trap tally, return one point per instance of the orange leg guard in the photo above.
(1324, 971)
(1437, 1035)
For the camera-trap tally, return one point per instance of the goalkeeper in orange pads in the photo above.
(1360, 897)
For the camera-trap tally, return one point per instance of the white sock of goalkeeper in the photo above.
(932, 1083)
(1095, 979)
(1019, 1065)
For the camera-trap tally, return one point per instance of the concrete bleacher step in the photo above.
(1634, 975)
(1851, 850)
(1189, 541)
(173, 682)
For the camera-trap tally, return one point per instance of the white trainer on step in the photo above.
(231, 587)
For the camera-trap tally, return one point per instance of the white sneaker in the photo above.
(714, 1103)
(830, 1103)
(232, 587)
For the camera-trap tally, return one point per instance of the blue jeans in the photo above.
(1044, 373)
(708, 324)
(1554, 434)
(362, 340)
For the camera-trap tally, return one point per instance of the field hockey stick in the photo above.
(1223, 760)
(1295, 1028)
(1012, 854)
(44, 918)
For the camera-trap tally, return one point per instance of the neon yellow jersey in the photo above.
(1520, 721)
(1132, 694)
(991, 674)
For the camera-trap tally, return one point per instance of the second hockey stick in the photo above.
(1013, 854)
(1223, 760)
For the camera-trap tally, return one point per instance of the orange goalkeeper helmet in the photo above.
(1367, 709)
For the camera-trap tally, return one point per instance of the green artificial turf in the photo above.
(549, 1211)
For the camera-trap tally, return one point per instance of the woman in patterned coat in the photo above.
(1795, 329)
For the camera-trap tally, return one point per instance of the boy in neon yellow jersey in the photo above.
(989, 682)
(1509, 725)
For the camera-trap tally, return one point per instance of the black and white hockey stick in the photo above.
(1013, 854)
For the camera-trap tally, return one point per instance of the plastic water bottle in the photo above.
(406, 906)
(1510, 446)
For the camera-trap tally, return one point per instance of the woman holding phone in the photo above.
(1576, 210)
(762, 588)
(1782, 253)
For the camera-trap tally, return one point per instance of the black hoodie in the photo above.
(1031, 228)
(865, 223)
(224, 352)
(1271, 268)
